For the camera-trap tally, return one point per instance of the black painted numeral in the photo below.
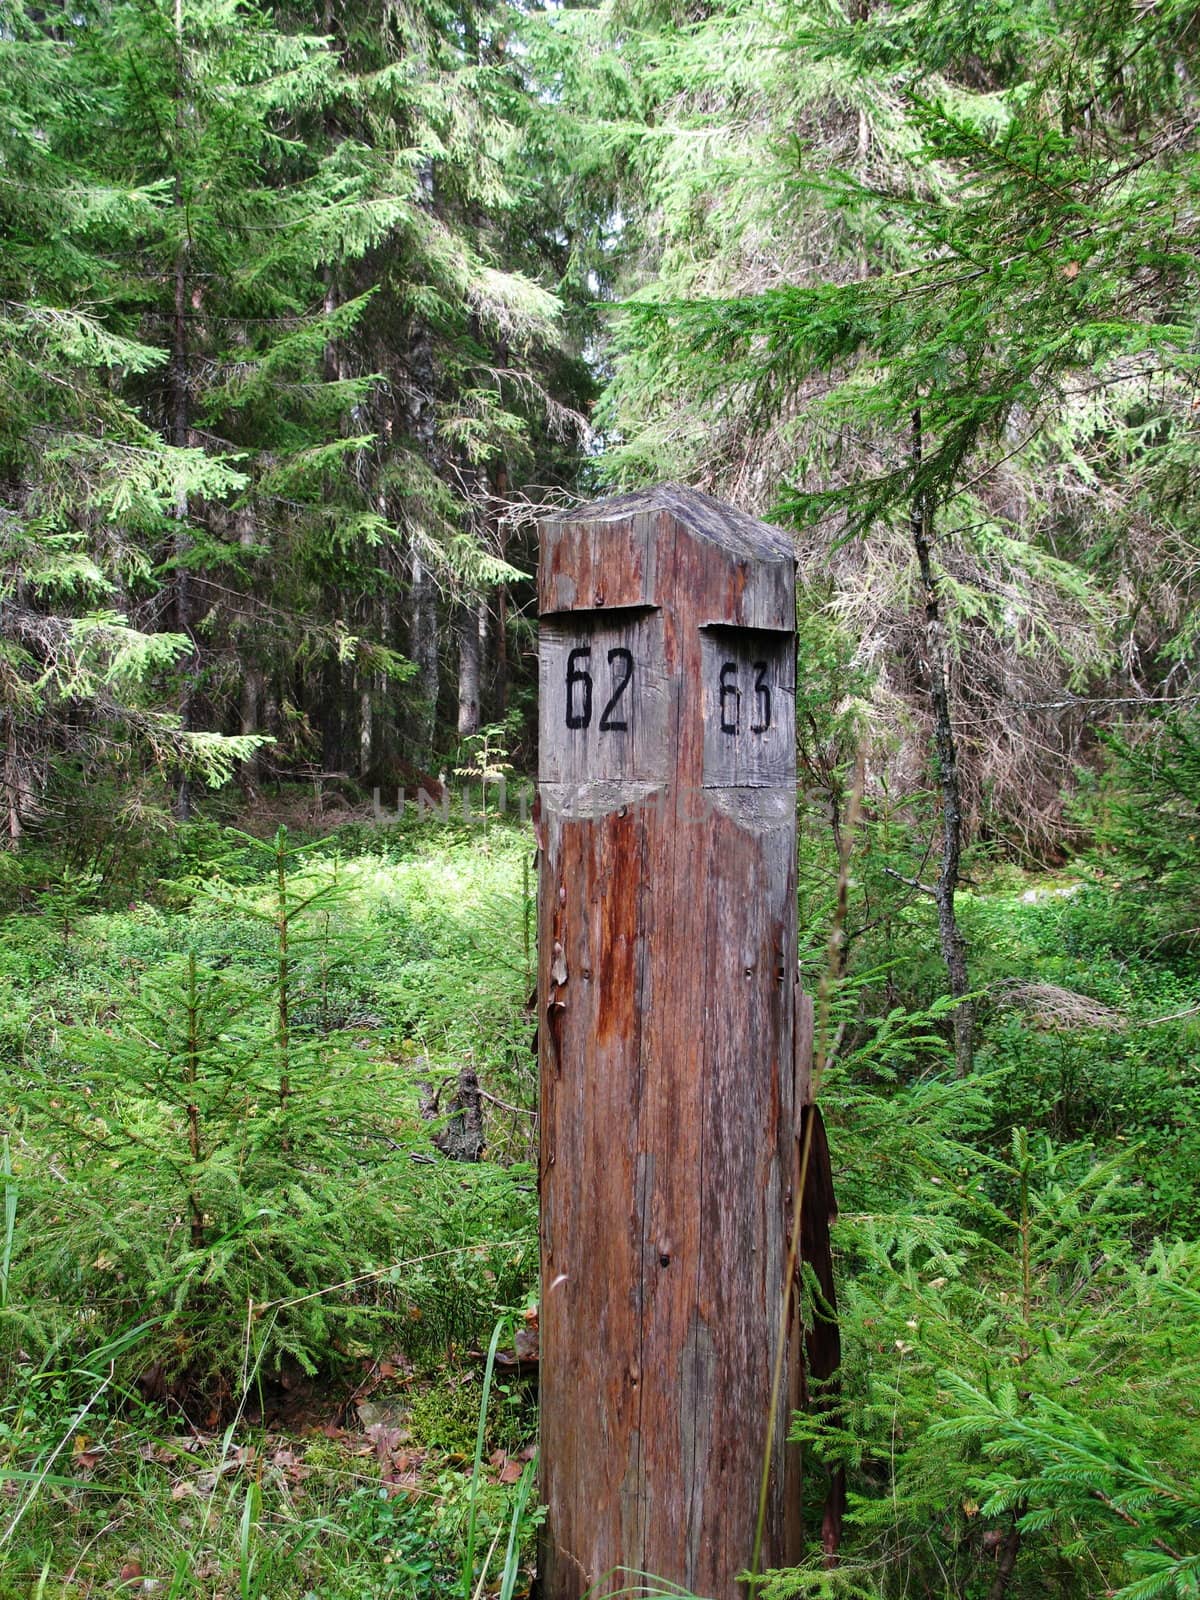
(581, 717)
(762, 694)
(731, 698)
(579, 688)
(623, 658)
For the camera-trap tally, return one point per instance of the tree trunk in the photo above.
(500, 678)
(339, 715)
(179, 424)
(954, 949)
(423, 652)
(252, 688)
(272, 716)
(420, 405)
(12, 780)
(366, 725)
(383, 727)
(331, 708)
(250, 711)
(1006, 1562)
(469, 660)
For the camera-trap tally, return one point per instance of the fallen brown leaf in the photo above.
(385, 1440)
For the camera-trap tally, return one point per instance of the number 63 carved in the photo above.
(579, 688)
(731, 698)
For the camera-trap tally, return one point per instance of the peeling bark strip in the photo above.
(667, 1003)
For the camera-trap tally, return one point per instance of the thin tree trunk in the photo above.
(283, 979)
(331, 700)
(1006, 1561)
(366, 726)
(252, 689)
(273, 718)
(250, 711)
(483, 621)
(193, 1110)
(338, 713)
(249, 719)
(12, 780)
(384, 722)
(420, 404)
(423, 652)
(501, 675)
(179, 422)
(469, 661)
(954, 949)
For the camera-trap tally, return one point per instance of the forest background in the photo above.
(307, 316)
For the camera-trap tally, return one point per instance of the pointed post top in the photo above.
(668, 546)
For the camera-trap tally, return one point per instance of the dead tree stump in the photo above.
(460, 1135)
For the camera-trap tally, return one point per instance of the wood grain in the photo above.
(668, 1060)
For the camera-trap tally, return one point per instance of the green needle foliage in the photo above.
(1008, 1349)
(1034, 247)
(224, 1157)
(837, 219)
(1148, 826)
(279, 345)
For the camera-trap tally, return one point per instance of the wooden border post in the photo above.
(667, 1029)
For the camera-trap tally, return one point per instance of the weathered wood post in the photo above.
(667, 1020)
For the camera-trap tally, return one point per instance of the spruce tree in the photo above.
(923, 286)
(274, 382)
(832, 220)
(85, 480)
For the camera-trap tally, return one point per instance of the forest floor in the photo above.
(183, 1417)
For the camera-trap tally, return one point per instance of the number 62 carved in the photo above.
(579, 688)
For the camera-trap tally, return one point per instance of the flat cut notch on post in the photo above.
(667, 1011)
